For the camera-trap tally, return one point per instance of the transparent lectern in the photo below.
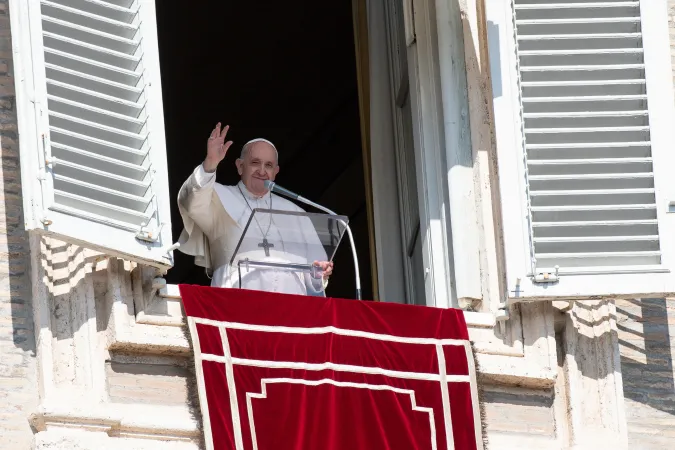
(277, 250)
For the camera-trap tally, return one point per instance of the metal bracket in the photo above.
(172, 248)
(148, 235)
(158, 284)
(546, 277)
(501, 316)
(409, 22)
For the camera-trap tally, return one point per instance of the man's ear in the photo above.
(276, 170)
(240, 165)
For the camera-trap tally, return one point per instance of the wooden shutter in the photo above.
(587, 99)
(91, 122)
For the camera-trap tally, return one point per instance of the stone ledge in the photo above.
(513, 371)
(71, 439)
(167, 300)
(164, 423)
(480, 319)
(505, 440)
(150, 339)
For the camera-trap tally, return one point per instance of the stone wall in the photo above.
(18, 385)
(114, 373)
(646, 337)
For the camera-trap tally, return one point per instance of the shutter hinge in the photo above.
(409, 22)
(42, 176)
(147, 234)
(547, 277)
(172, 248)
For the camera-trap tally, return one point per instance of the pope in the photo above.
(215, 215)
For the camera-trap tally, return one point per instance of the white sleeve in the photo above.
(195, 198)
(204, 179)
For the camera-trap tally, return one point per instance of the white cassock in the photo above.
(214, 218)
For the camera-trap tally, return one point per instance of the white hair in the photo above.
(247, 146)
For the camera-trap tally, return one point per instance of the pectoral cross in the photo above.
(266, 245)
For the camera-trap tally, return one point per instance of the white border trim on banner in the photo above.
(336, 367)
(201, 387)
(375, 387)
(329, 330)
(474, 396)
(447, 417)
(232, 389)
(442, 377)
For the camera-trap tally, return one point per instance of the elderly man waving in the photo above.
(214, 217)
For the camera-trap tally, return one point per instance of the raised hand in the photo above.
(216, 148)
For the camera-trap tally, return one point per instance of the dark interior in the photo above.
(284, 71)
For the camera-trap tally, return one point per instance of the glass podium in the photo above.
(281, 247)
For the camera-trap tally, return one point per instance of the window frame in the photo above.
(428, 135)
(400, 40)
(631, 281)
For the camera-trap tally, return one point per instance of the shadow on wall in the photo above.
(18, 387)
(14, 249)
(590, 339)
(646, 352)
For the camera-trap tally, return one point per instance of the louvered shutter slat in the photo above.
(99, 210)
(95, 99)
(75, 16)
(94, 52)
(586, 134)
(100, 193)
(94, 84)
(102, 8)
(91, 67)
(98, 115)
(98, 162)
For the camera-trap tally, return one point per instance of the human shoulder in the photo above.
(229, 187)
(228, 194)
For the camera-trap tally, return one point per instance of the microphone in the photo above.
(273, 187)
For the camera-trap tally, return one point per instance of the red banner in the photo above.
(288, 372)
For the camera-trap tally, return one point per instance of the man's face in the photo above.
(259, 164)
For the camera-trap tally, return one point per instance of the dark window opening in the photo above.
(278, 70)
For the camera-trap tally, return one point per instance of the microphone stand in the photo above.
(278, 189)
